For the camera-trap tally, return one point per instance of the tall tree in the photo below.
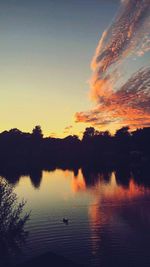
(37, 132)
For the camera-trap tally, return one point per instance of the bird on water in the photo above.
(65, 220)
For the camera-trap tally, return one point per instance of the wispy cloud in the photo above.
(130, 103)
(68, 129)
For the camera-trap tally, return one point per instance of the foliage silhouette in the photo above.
(37, 132)
(25, 152)
(12, 233)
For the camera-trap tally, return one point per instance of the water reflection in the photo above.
(84, 177)
(36, 177)
(108, 211)
(119, 219)
(78, 183)
(111, 185)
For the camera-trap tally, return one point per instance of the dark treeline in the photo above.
(30, 153)
(32, 149)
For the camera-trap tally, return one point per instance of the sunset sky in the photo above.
(47, 48)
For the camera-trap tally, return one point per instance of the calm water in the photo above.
(109, 222)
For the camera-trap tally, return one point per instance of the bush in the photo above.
(12, 222)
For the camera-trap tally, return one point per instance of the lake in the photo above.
(108, 212)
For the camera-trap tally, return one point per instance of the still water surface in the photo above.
(109, 222)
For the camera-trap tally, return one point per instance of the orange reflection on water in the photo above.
(114, 192)
(78, 183)
(110, 199)
(111, 194)
(108, 190)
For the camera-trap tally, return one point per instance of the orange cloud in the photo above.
(130, 104)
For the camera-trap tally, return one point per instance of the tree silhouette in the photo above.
(123, 132)
(25, 151)
(89, 132)
(12, 221)
(37, 132)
